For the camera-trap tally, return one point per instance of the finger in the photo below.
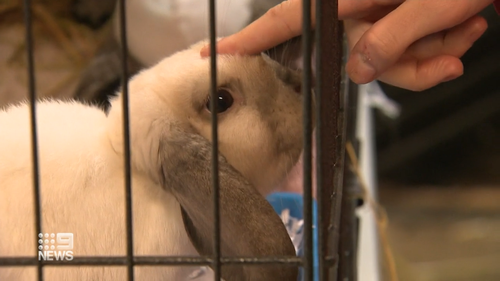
(454, 42)
(284, 22)
(349, 9)
(420, 75)
(279, 24)
(354, 29)
(383, 44)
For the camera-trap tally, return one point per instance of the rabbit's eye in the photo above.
(224, 100)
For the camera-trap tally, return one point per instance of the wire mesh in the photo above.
(330, 139)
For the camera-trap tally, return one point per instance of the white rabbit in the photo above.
(156, 29)
(82, 175)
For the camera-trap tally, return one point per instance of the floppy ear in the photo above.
(249, 226)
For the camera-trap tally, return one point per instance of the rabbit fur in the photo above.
(152, 35)
(82, 170)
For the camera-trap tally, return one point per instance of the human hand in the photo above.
(402, 54)
(409, 46)
(284, 22)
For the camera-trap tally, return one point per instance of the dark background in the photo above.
(438, 170)
(451, 128)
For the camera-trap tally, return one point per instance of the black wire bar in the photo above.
(28, 21)
(126, 142)
(307, 123)
(151, 260)
(216, 265)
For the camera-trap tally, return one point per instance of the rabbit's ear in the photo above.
(249, 226)
(288, 53)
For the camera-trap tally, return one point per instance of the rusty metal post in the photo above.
(330, 134)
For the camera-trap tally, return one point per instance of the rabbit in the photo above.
(103, 75)
(157, 30)
(82, 170)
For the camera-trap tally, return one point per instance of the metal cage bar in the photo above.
(329, 134)
(28, 21)
(330, 97)
(307, 123)
(126, 142)
(351, 195)
(216, 266)
(152, 260)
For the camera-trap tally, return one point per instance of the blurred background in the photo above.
(439, 171)
(438, 163)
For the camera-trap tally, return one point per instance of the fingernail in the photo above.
(450, 77)
(477, 31)
(475, 34)
(362, 69)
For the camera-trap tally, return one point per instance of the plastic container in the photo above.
(290, 207)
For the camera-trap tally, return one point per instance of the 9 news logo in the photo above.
(57, 246)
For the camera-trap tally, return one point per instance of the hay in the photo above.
(380, 213)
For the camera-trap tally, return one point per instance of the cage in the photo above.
(338, 191)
